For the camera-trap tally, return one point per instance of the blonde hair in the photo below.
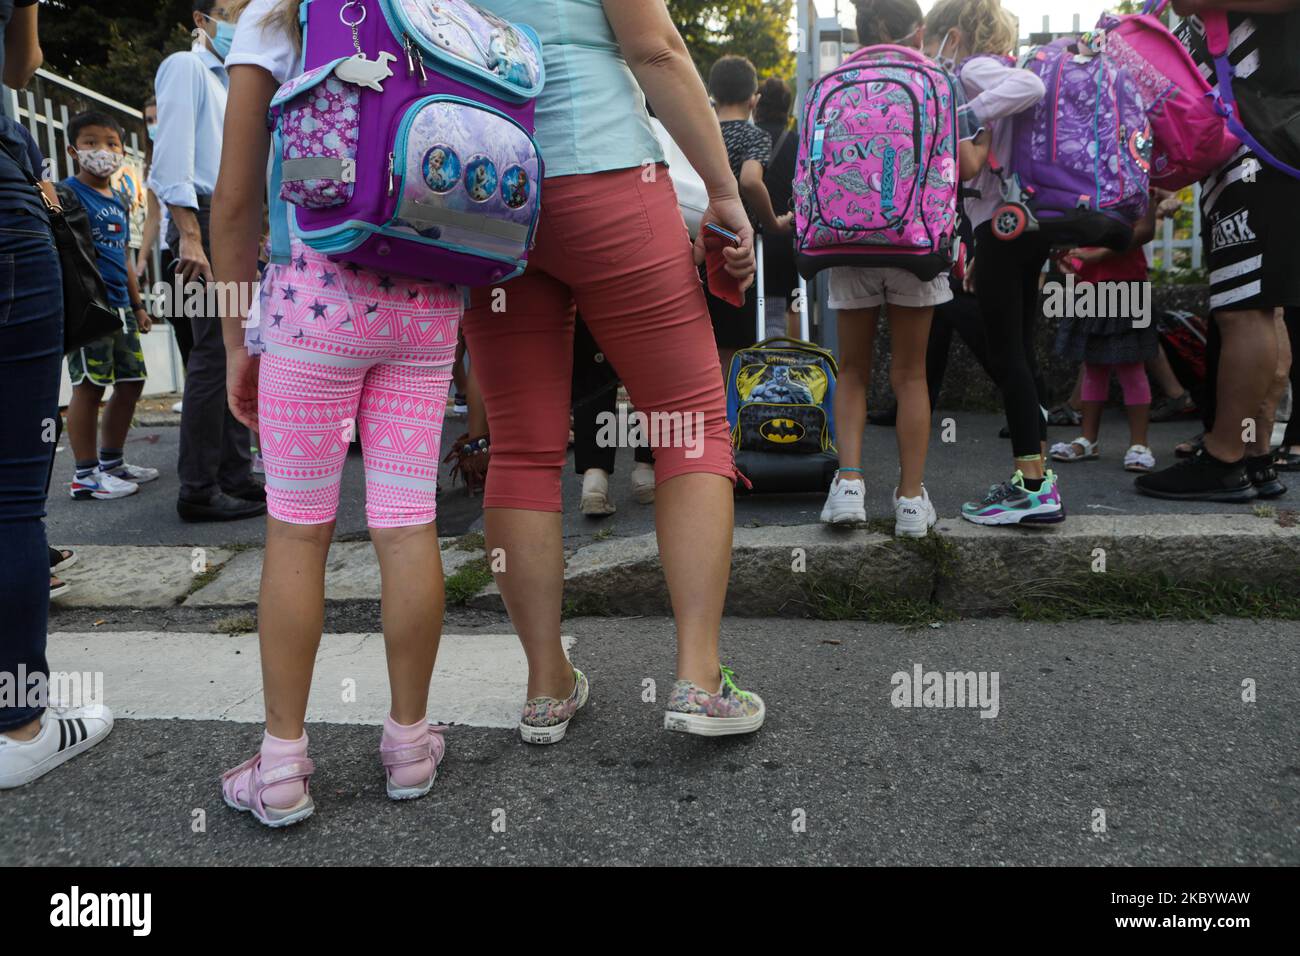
(283, 16)
(986, 26)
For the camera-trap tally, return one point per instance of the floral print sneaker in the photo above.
(694, 710)
(545, 719)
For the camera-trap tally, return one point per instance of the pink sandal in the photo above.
(250, 778)
(396, 755)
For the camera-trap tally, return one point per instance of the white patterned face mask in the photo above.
(100, 162)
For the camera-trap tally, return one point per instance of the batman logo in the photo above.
(782, 431)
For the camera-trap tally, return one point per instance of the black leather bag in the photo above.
(87, 315)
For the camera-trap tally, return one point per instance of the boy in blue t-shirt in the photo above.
(117, 360)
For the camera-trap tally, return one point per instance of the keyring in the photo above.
(352, 23)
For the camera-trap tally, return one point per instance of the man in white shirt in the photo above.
(215, 466)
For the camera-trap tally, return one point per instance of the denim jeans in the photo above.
(31, 353)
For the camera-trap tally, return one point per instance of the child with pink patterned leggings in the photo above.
(337, 351)
(1106, 340)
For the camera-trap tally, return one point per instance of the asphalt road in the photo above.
(1143, 722)
(956, 472)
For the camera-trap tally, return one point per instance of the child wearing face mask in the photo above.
(103, 473)
(974, 38)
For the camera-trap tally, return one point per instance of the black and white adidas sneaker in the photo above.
(65, 732)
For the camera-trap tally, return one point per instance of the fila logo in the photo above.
(1232, 230)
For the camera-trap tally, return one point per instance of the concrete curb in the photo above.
(784, 571)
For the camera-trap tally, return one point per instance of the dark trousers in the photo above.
(959, 316)
(31, 352)
(214, 451)
(1292, 436)
(595, 390)
(1006, 282)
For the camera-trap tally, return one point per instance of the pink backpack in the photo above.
(1190, 136)
(876, 175)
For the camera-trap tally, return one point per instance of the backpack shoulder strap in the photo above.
(1225, 103)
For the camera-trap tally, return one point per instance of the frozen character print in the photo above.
(480, 179)
(514, 187)
(441, 168)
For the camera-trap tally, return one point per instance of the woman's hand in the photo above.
(241, 386)
(729, 213)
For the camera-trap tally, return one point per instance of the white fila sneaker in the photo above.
(913, 517)
(844, 503)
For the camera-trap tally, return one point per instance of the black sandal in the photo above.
(61, 558)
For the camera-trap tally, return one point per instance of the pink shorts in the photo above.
(344, 352)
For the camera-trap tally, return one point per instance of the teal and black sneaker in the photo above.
(1012, 503)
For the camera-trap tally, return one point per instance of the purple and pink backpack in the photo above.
(1190, 138)
(877, 169)
(1079, 169)
(406, 144)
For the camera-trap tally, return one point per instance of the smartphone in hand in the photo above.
(721, 283)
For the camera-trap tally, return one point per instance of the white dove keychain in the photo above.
(358, 69)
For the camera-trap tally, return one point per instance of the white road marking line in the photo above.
(480, 679)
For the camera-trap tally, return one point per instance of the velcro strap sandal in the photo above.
(242, 788)
(395, 756)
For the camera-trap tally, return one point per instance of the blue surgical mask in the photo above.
(152, 130)
(225, 36)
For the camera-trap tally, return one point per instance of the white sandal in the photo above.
(1139, 458)
(1065, 451)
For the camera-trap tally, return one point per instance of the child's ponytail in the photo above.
(986, 26)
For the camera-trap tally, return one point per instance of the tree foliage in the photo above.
(113, 46)
(758, 29)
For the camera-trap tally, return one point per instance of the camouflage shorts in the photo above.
(114, 358)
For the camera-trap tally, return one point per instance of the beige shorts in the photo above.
(855, 287)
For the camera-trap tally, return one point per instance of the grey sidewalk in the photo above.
(956, 472)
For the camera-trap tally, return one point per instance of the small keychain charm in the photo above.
(359, 69)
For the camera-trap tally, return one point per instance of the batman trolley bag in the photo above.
(780, 400)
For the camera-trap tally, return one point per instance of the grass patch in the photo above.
(468, 580)
(1264, 511)
(201, 580)
(1149, 597)
(586, 606)
(603, 533)
(474, 541)
(844, 598)
(236, 624)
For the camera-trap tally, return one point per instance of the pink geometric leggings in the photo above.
(346, 351)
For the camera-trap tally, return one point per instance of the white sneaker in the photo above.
(913, 517)
(65, 732)
(845, 502)
(596, 501)
(137, 474)
(643, 483)
(177, 407)
(101, 485)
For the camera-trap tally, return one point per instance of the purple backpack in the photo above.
(406, 144)
(1080, 164)
(876, 174)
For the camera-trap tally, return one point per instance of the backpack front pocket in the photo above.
(317, 136)
(466, 177)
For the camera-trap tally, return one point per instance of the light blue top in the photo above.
(591, 115)
(191, 93)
